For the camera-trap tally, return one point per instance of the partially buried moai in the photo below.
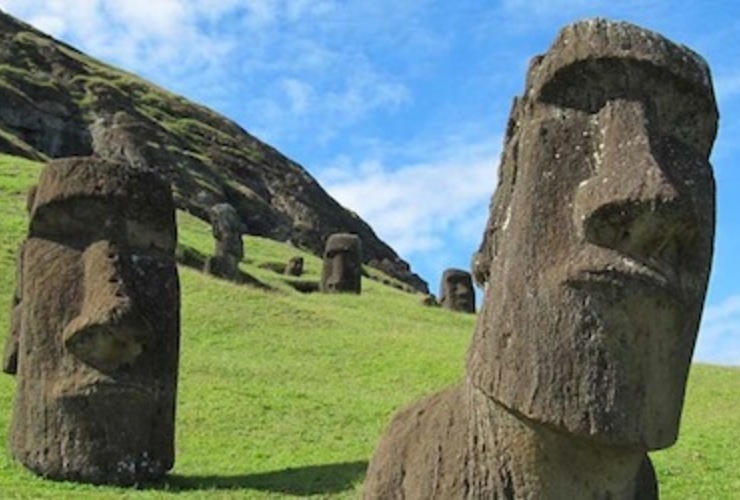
(98, 327)
(598, 249)
(342, 269)
(294, 267)
(227, 230)
(456, 291)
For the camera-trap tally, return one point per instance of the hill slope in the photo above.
(56, 101)
(284, 394)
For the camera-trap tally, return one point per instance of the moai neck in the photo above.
(525, 459)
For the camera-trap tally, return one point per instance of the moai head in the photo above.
(456, 291)
(227, 230)
(99, 341)
(342, 269)
(294, 267)
(600, 237)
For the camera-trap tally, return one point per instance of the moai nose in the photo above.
(632, 204)
(109, 331)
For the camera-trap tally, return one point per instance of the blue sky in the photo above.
(398, 106)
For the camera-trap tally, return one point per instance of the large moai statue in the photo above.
(98, 327)
(598, 249)
(227, 230)
(456, 291)
(342, 269)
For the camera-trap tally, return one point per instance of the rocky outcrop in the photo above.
(59, 102)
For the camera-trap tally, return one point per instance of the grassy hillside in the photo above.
(285, 394)
(56, 101)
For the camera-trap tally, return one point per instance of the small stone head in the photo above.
(600, 237)
(227, 230)
(342, 270)
(456, 291)
(99, 340)
(294, 267)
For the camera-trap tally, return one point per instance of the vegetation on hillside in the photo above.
(56, 101)
(284, 394)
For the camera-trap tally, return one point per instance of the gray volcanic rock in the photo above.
(596, 258)
(59, 102)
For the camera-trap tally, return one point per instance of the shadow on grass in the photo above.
(309, 480)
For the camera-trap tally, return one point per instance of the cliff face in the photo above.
(56, 101)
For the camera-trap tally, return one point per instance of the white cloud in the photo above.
(298, 93)
(418, 206)
(719, 334)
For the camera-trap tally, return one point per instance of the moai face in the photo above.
(227, 230)
(342, 269)
(98, 349)
(600, 237)
(456, 291)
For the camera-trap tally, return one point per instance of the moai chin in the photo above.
(98, 333)
(227, 231)
(456, 291)
(598, 248)
(342, 269)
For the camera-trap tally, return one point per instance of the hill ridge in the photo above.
(57, 101)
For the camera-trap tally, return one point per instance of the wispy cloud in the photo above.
(419, 207)
(727, 86)
(719, 335)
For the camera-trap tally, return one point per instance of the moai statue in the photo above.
(429, 300)
(98, 328)
(10, 353)
(456, 291)
(227, 230)
(342, 270)
(598, 249)
(294, 267)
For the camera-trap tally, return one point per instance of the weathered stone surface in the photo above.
(342, 269)
(294, 267)
(456, 291)
(99, 326)
(227, 231)
(56, 102)
(596, 257)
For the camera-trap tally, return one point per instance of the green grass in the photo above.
(285, 394)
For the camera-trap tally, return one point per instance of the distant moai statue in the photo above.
(294, 267)
(98, 326)
(342, 269)
(429, 300)
(598, 248)
(227, 230)
(10, 352)
(456, 291)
